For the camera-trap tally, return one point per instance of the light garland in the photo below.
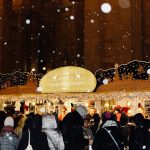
(18, 79)
(135, 69)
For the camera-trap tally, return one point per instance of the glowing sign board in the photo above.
(68, 79)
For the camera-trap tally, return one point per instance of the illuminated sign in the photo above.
(68, 79)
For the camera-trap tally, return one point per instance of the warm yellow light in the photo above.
(68, 79)
(128, 103)
(33, 103)
(33, 69)
(86, 104)
(129, 112)
(140, 110)
(44, 68)
(4, 105)
(49, 104)
(106, 104)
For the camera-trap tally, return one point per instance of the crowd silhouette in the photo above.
(77, 130)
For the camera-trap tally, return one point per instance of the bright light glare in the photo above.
(106, 8)
(105, 81)
(148, 71)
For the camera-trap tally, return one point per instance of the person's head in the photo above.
(138, 119)
(82, 111)
(93, 111)
(64, 109)
(36, 123)
(96, 118)
(108, 116)
(49, 122)
(31, 114)
(124, 119)
(9, 121)
(86, 123)
(117, 111)
(27, 123)
(130, 120)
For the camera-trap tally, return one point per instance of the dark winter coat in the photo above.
(94, 128)
(140, 139)
(38, 139)
(8, 139)
(2, 118)
(126, 132)
(73, 132)
(103, 140)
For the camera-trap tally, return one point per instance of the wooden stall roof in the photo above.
(29, 88)
(125, 84)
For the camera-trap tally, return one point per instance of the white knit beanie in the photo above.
(49, 122)
(82, 110)
(9, 121)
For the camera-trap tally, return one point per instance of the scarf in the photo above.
(110, 123)
(8, 129)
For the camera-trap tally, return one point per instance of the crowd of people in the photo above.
(77, 130)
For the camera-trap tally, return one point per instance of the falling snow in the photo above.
(44, 36)
(28, 21)
(72, 17)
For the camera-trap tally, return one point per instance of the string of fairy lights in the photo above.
(135, 69)
(18, 78)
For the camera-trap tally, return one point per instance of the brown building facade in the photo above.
(66, 32)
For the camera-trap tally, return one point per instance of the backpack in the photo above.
(29, 147)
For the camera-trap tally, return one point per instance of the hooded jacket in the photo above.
(73, 132)
(103, 140)
(54, 136)
(8, 139)
(140, 136)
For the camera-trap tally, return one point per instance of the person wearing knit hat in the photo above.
(8, 139)
(108, 116)
(82, 111)
(109, 128)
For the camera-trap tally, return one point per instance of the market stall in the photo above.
(129, 94)
(74, 86)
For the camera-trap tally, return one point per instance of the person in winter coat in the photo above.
(103, 139)
(2, 118)
(139, 139)
(72, 129)
(8, 139)
(28, 122)
(88, 135)
(19, 128)
(38, 139)
(54, 136)
(95, 125)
